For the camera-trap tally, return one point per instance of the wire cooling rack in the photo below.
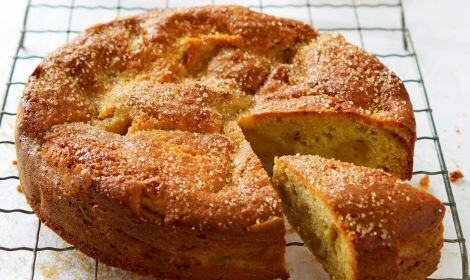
(23, 240)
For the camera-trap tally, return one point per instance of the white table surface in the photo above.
(441, 32)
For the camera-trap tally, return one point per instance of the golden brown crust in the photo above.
(395, 229)
(136, 116)
(106, 230)
(332, 76)
(192, 177)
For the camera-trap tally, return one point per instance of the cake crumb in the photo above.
(291, 230)
(424, 182)
(19, 188)
(14, 162)
(455, 176)
(458, 130)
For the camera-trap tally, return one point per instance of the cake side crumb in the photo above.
(456, 176)
(424, 182)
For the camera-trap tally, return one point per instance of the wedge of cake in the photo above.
(361, 223)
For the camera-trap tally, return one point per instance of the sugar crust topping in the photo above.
(369, 203)
(148, 105)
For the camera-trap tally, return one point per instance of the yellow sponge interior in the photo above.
(342, 137)
(315, 223)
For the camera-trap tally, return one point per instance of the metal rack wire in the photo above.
(408, 53)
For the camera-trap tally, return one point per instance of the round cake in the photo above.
(141, 142)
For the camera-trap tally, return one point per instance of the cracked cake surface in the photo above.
(132, 143)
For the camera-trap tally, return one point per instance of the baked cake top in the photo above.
(145, 107)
